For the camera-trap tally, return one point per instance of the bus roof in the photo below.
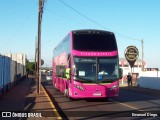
(86, 31)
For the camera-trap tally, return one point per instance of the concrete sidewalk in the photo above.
(23, 103)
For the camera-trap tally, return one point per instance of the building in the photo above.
(123, 63)
(137, 69)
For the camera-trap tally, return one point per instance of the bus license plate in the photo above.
(97, 94)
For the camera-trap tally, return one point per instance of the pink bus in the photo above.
(86, 65)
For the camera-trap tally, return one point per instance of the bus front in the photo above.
(95, 64)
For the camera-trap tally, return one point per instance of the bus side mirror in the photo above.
(120, 73)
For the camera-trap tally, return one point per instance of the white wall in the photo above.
(127, 70)
(149, 82)
(149, 74)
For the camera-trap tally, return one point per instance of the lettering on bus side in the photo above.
(94, 53)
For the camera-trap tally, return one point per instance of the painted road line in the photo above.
(126, 105)
(50, 101)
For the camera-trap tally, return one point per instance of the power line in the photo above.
(65, 17)
(135, 39)
(17, 31)
(83, 15)
(98, 24)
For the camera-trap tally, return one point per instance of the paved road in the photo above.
(130, 102)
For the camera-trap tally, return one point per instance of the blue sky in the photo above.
(137, 19)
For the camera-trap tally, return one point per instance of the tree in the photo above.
(30, 67)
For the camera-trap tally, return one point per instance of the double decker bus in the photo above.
(86, 65)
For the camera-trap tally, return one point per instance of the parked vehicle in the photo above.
(49, 76)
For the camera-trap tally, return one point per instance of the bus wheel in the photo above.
(55, 87)
(69, 98)
(66, 93)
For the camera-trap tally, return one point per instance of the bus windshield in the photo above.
(95, 69)
(94, 42)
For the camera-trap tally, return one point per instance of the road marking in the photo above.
(27, 107)
(126, 105)
(50, 101)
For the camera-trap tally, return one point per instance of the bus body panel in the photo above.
(93, 90)
(79, 89)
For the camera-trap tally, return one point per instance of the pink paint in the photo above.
(61, 59)
(94, 90)
(78, 89)
(86, 53)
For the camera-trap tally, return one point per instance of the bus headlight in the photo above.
(113, 87)
(79, 87)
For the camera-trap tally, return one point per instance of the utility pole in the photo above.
(142, 54)
(35, 59)
(40, 12)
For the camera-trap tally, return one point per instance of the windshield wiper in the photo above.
(84, 80)
(109, 80)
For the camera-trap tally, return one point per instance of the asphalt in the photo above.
(22, 102)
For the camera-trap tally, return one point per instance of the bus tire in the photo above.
(66, 93)
(55, 87)
(69, 98)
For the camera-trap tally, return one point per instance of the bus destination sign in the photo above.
(131, 54)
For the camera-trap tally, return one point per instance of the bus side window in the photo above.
(69, 60)
(60, 71)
